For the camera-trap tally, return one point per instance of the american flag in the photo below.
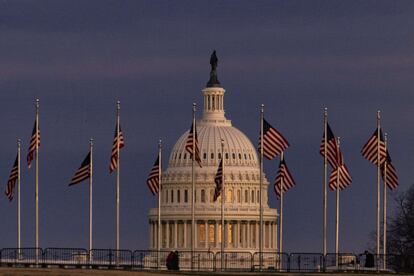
(11, 182)
(340, 174)
(83, 172)
(34, 145)
(218, 179)
(273, 141)
(331, 147)
(391, 176)
(369, 150)
(189, 145)
(153, 180)
(283, 177)
(118, 140)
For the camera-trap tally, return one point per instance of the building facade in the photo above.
(241, 182)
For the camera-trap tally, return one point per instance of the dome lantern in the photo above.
(213, 95)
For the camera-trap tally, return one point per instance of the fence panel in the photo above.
(234, 261)
(66, 256)
(197, 261)
(111, 258)
(306, 262)
(341, 262)
(22, 256)
(148, 259)
(272, 261)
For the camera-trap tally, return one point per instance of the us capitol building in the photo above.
(241, 182)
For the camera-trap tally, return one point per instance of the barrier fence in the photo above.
(204, 260)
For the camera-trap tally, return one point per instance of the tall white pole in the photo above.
(118, 107)
(222, 205)
(378, 184)
(260, 191)
(18, 197)
(193, 191)
(37, 180)
(337, 212)
(281, 218)
(325, 179)
(90, 196)
(384, 238)
(159, 200)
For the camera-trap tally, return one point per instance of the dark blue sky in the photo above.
(297, 57)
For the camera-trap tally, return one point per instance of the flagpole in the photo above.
(118, 107)
(260, 191)
(378, 182)
(37, 180)
(18, 198)
(337, 209)
(90, 196)
(193, 191)
(384, 246)
(281, 217)
(325, 177)
(159, 200)
(222, 204)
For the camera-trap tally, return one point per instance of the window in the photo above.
(172, 196)
(229, 196)
(234, 156)
(211, 195)
(185, 196)
(219, 232)
(258, 196)
(203, 195)
(179, 156)
(212, 155)
(252, 196)
(246, 196)
(178, 196)
(239, 156)
(230, 233)
(245, 156)
(211, 233)
(166, 196)
(185, 156)
(204, 155)
(219, 155)
(201, 233)
(227, 155)
(238, 196)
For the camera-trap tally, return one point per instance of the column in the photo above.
(167, 233)
(175, 234)
(248, 238)
(216, 237)
(206, 233)
(196, 236)
(237, 231)
(185, 233)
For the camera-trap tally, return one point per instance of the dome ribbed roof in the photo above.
(238, 150)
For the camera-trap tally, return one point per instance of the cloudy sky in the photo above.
(297, 57)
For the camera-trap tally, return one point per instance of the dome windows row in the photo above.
(232, 195)
(227, 156)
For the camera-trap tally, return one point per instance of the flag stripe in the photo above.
(83, 172)
(218, 179)
(369, 150)
(34, 140)
(117, 143)
(273, 141)
(283, 175)
(331, 147)
(189, 145)
(11, 182)
(153, 180)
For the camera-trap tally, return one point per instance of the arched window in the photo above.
(172, 196)
(234, 156)
(166, 196)
(245, 156)
(185, 155)
(258, 196)
(212, 156)
(239, 156)
(229, 196)
(252, 196)
(246, 196)
(227, 155)
(178, 196)
(204, 155)
(238, 196)
(185, 196)
(219, 155)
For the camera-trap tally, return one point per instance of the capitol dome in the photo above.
(217, 139)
